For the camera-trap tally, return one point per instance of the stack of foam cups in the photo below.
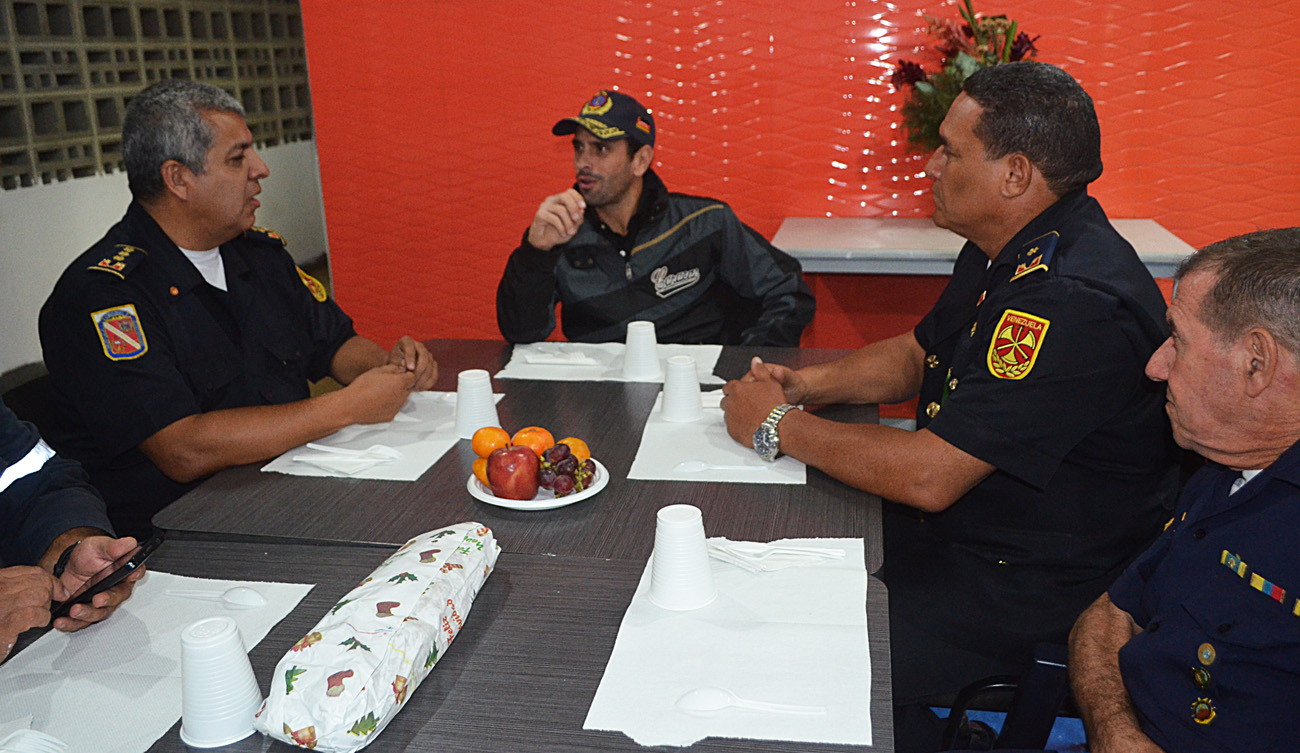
(680, 575)
(681, 401)
(475, 406)
(219, 693)
(641, 357)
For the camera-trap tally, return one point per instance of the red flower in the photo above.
(906, 74)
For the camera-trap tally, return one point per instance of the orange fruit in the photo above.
(535, 438)
(488, 439)
(578, 447)
(480, 470)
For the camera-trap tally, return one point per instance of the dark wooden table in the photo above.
(242, 503)
(523, 672)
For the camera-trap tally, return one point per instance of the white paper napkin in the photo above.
(796, 636)
(596, 362)
(665, 444)
(115, 687)
(421, 433)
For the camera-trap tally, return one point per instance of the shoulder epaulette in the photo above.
(1036, 255)
(124, 259)
(261, 233)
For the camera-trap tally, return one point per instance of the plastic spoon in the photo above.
(239, 597)
(373, 451)
(708, 700)
(695, 466)
(759, 551)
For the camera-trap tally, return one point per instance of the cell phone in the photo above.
(107, 578)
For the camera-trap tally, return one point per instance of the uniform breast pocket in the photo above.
(1242, 616)
(281, 375)
(212, 377)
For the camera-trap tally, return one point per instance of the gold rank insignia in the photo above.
(120, 333)
(123, 260)
(1017, 339)
(268, 233)
(1035, 255)
(317, 289)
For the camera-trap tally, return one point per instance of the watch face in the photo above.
(765, 442)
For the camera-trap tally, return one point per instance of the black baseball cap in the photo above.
(611, 115)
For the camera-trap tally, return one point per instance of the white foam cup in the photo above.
(475, 406)
(680, 575)
(641, 356)
(681, 401)
(219, 694)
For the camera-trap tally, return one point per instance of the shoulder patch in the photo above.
(266, 234)
(124, 259)
(313, 285)
(1017, 339)
(120, 333)
(1036, 255)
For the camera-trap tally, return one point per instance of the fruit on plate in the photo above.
(535, 438)
(480, 471)
(489, 438)
(512, 472)
(565, 472)
(578, 447)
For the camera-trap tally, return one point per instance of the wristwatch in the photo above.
(767, 443)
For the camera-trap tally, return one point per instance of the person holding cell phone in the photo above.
(54, 536)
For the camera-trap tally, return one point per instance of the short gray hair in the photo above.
(165, 122)
(1258, 285)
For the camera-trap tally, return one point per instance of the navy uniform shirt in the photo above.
(1034, 364)
(38, 502)
(135, 339)
(1217, 666)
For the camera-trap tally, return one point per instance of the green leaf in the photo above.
(364, 726)
(433, 657)
(290, 675)
(335, 609)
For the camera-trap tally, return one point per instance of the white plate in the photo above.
(545, 499)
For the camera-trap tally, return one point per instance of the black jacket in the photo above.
(687, 264)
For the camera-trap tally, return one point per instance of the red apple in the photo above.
(512, 472)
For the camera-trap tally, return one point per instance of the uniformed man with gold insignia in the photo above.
(183, 341)
(1197, 646)
(1041, 461)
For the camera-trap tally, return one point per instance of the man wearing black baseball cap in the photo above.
(619, 247)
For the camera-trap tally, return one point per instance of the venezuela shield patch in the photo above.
(120, 333)
(1016, 342)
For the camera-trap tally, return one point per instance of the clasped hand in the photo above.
(747, 401)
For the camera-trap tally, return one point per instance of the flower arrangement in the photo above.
(979, 42)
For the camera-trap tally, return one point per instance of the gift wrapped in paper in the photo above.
(339, 686)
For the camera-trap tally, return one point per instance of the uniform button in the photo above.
(932, 361)
(1201, 676)
(952, 384)
(1198, 534)
(932, 410)
(1203, 711)
(1225, 627)
(1154, 626)
(1206, 654)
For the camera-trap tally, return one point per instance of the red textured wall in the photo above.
(433, 126)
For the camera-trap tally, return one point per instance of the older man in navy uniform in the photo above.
(53, 536)
(182, 342)
(1041, 462)
(1197, 646)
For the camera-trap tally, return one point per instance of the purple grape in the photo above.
(558, 452)
(568, 466)
(589, 466)
(563, 485)
(546, 478)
